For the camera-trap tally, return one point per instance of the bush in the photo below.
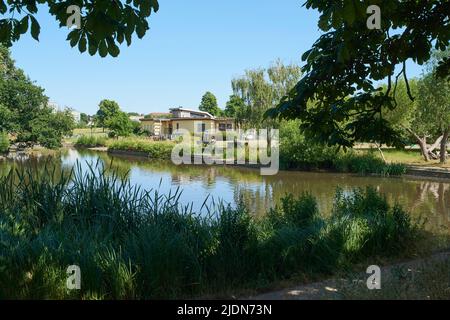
(89, 141)
(4, 142)
(367, 163)
(299, 152)
(155, 150)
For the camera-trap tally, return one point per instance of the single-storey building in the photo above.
(196, 122)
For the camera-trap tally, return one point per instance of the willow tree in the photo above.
(261, 89)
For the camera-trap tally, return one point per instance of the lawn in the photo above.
(408, 157)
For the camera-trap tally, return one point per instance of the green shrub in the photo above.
(300, 152)
(89, 141)
(155, 150)
(367, 163)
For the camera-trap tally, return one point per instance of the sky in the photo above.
(192, 47)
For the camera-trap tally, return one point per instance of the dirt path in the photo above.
(329, 289)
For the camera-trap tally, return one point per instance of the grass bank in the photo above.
(352, 161)
(137, 244)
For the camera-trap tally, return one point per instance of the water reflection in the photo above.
(429, 199)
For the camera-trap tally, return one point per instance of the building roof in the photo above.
(193, 111)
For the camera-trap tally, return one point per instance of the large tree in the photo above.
(24, 113)
(107, 109)
(104, 24)
(261, 89)
(434, 104)
(346, 62)
(119, 125)
(209, 104)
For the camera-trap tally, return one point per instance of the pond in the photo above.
(424, 198)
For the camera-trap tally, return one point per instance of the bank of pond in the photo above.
(134, 243)
(312, 158)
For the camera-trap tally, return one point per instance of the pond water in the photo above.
(425, 198)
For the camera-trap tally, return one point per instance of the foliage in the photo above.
(119, 124)
(84, 120)
(209, 104)
(345, 63)
(23, 108)
(110, 116)
(90, 141)
(297, 151)
(261, 89)
(104, 24)
(49, 127)
(234, 107)
(133, 244)
(367, 163)
(4, 142)
(107, 109)
(155, 150)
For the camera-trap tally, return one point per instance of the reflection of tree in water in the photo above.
(433, 202)
(423, 198)
(35, 163)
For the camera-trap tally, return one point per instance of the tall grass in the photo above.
(91, 141)
(366, 163)
(155, 150)
(139, 244)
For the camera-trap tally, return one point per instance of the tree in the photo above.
(345, 63)
(49, 127)
(24, 111)
(107, 109)
(119, 125)
(434, 103)
(233, 106)
(84, 119)
(209, 104)
(104, 24)
(262, 89)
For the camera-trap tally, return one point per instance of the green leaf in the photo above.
(23, 26)
(93, 46)
(82, 44)
(120, 37)
(113, 50)
(103, 49)
(35, 28)
(349, 11)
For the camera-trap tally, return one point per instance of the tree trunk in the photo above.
(381, 152)
(443, 155)
(422, 144)
(423, 148)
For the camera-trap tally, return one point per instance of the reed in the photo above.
(139, 244)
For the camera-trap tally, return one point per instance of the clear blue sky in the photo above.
(191, 47)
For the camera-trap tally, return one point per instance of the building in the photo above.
(197, 122)
(136, 118)
(57, 108)
(76, 116)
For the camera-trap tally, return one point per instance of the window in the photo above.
(178, 126)
(222, 127)
(201, 127)
(229, 126)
